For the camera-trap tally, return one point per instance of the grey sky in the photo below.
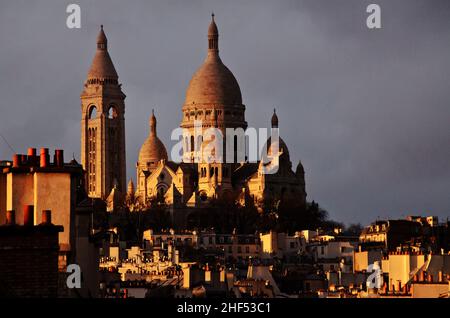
(367, 112)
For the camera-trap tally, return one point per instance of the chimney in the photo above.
(31, 152)
(59, 158)
(16, 161)
(28, 215)
(399, 286)
(32, 156)
(10, 217)
(46, 217)
(23, 159)
(440, 277)
(430, 278)
(44, 158)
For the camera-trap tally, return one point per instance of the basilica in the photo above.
(214, 99)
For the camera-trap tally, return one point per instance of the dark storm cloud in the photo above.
(367, 112)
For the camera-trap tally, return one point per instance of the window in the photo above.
(192, 143)
(239, 249)
(230, 249)
(112, 112)
(92, 112)
(247, 249)
(322, 250)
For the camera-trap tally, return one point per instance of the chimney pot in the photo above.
(59, 158)
(44, 158)
(32, 156)
(31, 152)
(16, 161)
(10, 217)
(46, 217)
(28, 215)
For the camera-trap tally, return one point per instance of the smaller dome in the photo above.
(153, 150)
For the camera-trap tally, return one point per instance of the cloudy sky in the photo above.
(367, 112)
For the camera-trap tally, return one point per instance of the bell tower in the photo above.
(103, 125)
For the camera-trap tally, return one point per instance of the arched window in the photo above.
(92, 112)
(192, 143)
(112, 112)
